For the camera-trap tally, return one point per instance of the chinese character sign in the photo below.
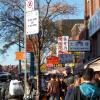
(65, 43)
(59, 45)
(79, 45)
(66, 58)
(62, 45)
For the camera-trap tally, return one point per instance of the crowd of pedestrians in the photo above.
(83, 86)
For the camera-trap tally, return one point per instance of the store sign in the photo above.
(94, 23)
(65, 58)
(79, 45)
(32, 22)
(52, 60)
(62, 46)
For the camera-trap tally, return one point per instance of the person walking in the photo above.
(63, 88)
(53, 88)
(87, 90)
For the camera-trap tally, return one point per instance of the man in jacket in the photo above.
(87, 90)
(53, 88)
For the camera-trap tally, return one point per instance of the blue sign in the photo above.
(31, 64)
(94, 23)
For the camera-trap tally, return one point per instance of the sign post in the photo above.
(31, 27)
(32, 22)
(28, 7)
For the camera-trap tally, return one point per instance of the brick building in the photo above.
(92, 22)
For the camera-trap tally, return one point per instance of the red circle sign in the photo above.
(30, 4)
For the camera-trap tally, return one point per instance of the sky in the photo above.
(10, 58)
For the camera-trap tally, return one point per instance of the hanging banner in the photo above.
(62, 46)
(65, 43)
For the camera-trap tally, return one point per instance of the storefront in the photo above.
(94, 34)
(95, 64)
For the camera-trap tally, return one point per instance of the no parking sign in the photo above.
(29, 5)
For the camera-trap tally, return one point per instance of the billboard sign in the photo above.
(79, 45)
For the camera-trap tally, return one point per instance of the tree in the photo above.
(12, 23)
(12, 20)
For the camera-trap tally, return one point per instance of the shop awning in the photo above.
(95, 64)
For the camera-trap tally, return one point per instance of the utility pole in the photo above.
(25, 62)
(19, 51)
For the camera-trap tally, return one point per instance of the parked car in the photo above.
(5, 76)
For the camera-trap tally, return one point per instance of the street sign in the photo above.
(29, 5)
(19, 55)
(32, 22)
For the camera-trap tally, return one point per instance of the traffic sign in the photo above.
(32, 22)
(29, 5)
(19, 55)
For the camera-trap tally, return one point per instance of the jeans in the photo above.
(54, 97)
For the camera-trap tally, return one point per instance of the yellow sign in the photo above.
(57, 65)
(43, 67)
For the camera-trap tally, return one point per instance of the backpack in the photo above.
(77, 95)
(15, 88)
(54, 87)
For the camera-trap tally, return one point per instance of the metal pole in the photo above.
(38, 70)
(19, 51)
(25, 63)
